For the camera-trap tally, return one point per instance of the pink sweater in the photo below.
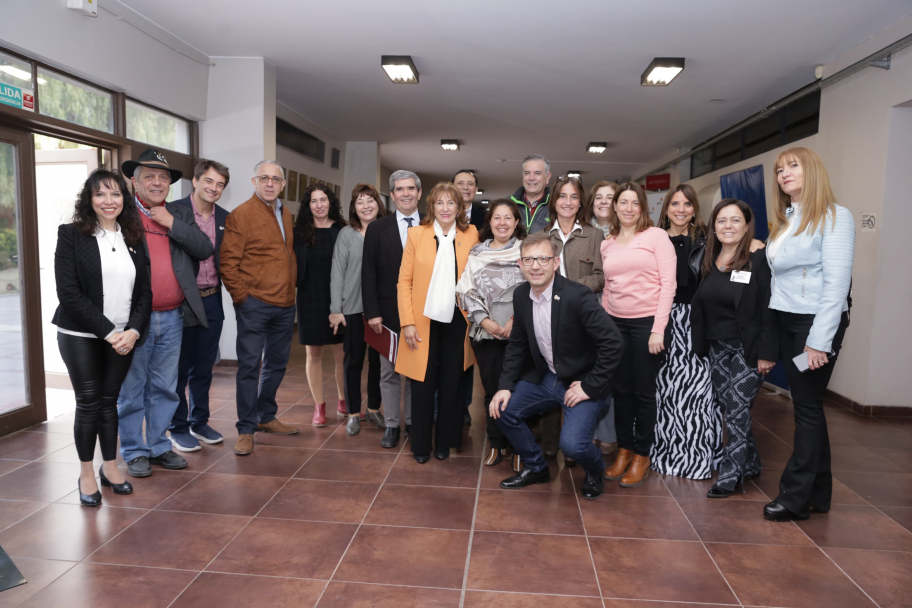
(640, 277)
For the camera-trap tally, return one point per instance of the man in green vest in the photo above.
(532, 198)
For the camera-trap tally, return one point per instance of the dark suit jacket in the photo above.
(221, 214)
(478, 216)
(380, 271)
(189, 247)
(757, 322)
(586, 344)
(80, 286)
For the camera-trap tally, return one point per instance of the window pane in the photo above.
(12, 372)
(75, 101)
(701, 163)
(762, 136)
(728, 150)
(15, 72)
(157, 128)
(801, 118)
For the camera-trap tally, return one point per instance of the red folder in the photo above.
(386, 342)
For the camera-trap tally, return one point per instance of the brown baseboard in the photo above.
(880, 411)
(227, 363)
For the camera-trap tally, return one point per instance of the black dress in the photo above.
(313, 292)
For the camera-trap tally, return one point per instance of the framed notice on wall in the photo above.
(292, 186)
(302, 184)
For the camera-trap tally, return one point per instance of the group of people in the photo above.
(594, 331)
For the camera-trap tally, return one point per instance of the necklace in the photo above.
(110, 242)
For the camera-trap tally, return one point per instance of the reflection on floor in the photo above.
(325, 519)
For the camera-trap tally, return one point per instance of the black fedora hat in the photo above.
(150, 158)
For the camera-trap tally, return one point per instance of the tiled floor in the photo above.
(325, 519)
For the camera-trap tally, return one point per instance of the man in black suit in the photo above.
(174, 246)
(467, 185)
(563, 352)
(384, 242)
(200, 344)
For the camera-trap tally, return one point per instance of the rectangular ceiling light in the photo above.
(400, 69)
(662, 71)
(450, 145)
(575, 174)
(597, 147)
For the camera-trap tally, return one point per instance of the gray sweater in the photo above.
(345, 280)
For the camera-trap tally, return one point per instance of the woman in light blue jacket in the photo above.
(810, 254)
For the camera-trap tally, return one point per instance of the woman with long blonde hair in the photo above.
(810, 253)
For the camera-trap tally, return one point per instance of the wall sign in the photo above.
(16, 97)
(658, 182)
(868, 222)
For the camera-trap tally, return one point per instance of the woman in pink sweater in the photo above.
(639, 263)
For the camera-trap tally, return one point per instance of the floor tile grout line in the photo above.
(465, 574)
(579, 508)
(244, 527)
(703, 543)
(18, 521)
(358, 529)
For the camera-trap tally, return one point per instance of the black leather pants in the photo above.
(96, 371)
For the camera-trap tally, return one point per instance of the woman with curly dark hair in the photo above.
(316, 229)
(105, 298)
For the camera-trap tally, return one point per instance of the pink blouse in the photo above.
(640, 277)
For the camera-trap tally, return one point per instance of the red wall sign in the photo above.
(658, 182)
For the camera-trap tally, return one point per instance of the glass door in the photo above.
(22, 398)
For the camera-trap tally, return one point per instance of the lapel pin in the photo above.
(131, 249)
(221, 227)
(557, 297)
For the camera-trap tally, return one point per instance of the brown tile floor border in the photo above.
(329, 501)
(416, 557)
(674, 571)
(104, 586)
(273, 547)
(531, 563)
(421, 507)
(884, 575)
(804, 577)
(359, 595)
(215, 590)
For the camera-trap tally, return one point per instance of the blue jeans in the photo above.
(576, 436)
(264, 334)
(199, 349)
(149, 390)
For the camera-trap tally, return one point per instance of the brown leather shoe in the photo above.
(621, 462)
(637, 473)
(243, 445)
(278, 428)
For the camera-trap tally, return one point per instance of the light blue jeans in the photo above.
(149, 391)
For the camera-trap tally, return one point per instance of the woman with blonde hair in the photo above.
(435, 348)
(810, 252)
(688, 435)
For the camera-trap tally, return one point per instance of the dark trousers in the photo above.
(199, 348)
(490, 355)
(635, 386)
(354, 346)
(263, 333)
(576, 436)
(96, 371)
(446, 356)
(807, 478)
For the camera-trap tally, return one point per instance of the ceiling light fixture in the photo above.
(486, 202)
(20, 74)
(575, 174)
(478, 192)
(597, 147)
(450, 145)
(662, 71)
(400, 69)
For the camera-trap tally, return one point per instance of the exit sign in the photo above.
(658, 182)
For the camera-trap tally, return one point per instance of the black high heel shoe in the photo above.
(119, 488)
(88, 500)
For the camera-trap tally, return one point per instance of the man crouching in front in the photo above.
(563, 352)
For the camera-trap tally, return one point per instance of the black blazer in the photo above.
(587, 345)
(300, 249)
(380, 271)
(221, 214)
(478, 216)
(80, 286)
(759, 332)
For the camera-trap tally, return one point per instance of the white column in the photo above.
(362, 166)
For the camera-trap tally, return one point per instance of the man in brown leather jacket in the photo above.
(259, 270)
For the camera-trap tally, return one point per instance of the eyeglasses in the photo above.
(265, 179)
(542, 261)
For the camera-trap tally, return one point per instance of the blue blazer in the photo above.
(221, 214)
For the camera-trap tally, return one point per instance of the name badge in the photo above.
(741, 276)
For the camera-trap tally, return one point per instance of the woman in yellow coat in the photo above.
(434, 348)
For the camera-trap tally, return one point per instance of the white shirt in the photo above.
(560, 233)
(118, 275)
(404, 226)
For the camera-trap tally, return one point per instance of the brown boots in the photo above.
(630, 468)
(637, 473)
(621, 463)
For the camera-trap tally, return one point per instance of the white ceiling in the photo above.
(509, 78)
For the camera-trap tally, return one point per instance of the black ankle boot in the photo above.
(119, 488)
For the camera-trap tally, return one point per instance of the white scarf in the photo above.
(441, 296)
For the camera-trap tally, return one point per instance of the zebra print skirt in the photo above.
(688, 432)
